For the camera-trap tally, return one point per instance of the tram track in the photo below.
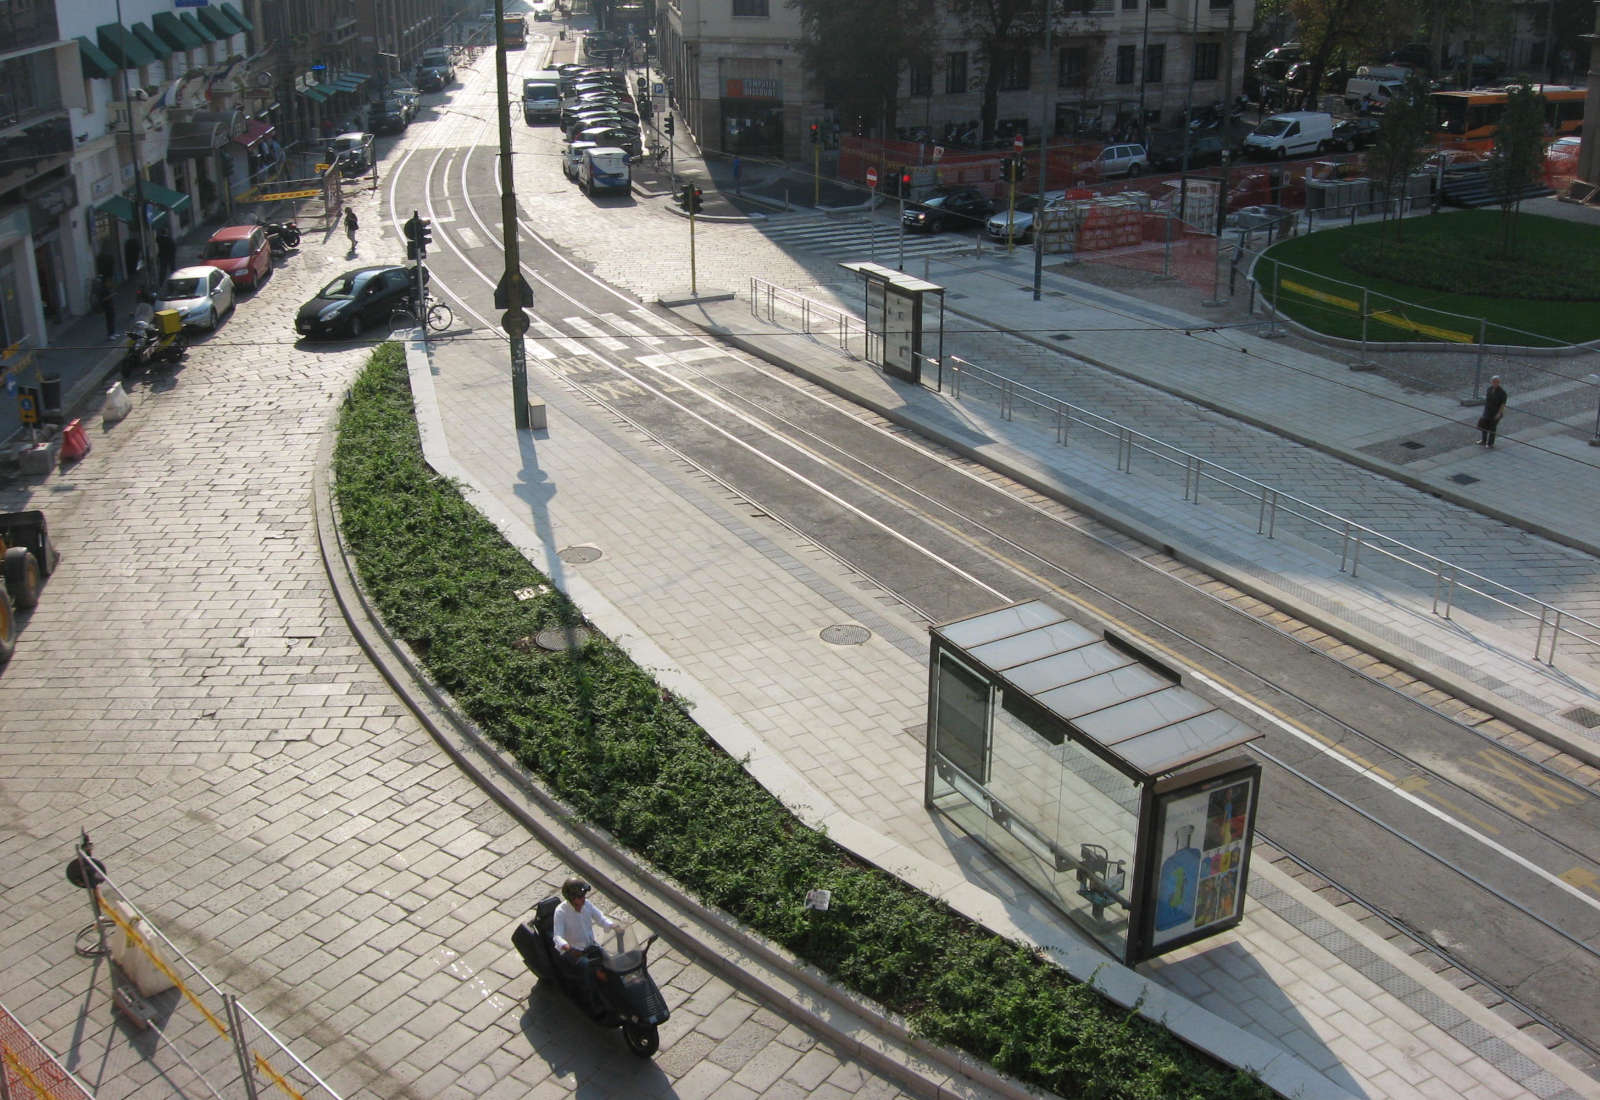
(749, 421)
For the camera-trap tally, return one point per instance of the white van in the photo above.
(603, 168)
(1380, 92)
(1293, 134)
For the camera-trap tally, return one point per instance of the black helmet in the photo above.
(574, 888)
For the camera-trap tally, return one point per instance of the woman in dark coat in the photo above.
(1494, 407)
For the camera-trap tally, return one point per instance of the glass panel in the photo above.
(1032, 645)
(1124, 684)
(1138, 716)
(961, 717)
(1000, 624)
(1067, 668)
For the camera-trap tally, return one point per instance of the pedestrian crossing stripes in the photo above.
(862, 238)
(628, 328)
(595, 333)
(558, 338)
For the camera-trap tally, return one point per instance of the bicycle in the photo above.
(439, 316)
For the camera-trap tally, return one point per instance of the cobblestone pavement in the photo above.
(188, 693)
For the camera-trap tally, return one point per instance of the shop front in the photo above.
(752, 116)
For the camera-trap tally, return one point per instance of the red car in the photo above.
(241, 251)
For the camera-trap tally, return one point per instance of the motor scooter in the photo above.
(282, 236)
(154, 337)
(627, 997)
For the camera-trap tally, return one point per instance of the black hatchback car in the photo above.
(958, 208)
(356, 300)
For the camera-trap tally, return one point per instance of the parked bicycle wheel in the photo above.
(440, 316)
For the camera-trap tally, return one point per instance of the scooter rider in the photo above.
(572, 931)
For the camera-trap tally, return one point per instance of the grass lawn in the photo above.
(627, 756)
(1546, 293)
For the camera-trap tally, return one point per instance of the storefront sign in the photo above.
(50, 202)
(753, 87)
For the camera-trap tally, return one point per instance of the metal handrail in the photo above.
(1449, 581)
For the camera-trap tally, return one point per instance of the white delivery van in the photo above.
(541, 101)
(1293, 134)
(603, 168)
(1380, 92)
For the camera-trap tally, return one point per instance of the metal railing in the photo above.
(768, 301)
(1451, 585)
(1275, 511)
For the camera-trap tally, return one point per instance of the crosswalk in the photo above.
(605, 333)
(860, 238)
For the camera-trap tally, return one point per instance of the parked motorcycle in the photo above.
(627, 996)
(154, 338)
(282, 236)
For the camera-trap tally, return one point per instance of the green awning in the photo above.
(95, 62)
(220, 24)
(123, 48)
(174, 31)
(197, 28)
(238, 17)
(345, 84)
(151, 40)
(316, 93)
(175, 201)
(118, 207)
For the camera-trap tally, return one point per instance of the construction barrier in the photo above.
(28, 1071)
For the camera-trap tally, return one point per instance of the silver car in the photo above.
(1017, 225)
(201, 295)
(1116, 160)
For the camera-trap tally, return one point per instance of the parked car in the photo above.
(1204, 150)
(958, 207)
(389, 117)
(1561, 156)
(410, 99)
(1280, 219)
(355, 301)
(1292, 134)
(1017, 224)
(201, 295)
(1351, 134)
(601, 46)
(619, 136)
(356, 149)
(242, 251)
(572, 156)
(1116, 160)
(541, 102)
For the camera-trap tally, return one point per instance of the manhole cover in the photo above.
(559, 638)
(1411, 445)
(1463, 479)
(849, 634)
(580, 555)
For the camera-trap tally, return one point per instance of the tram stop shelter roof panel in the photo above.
(1108, 694)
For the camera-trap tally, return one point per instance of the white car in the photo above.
(201, 295)
(1116, 160)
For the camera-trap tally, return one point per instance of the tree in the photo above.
(856, 49)
(1398, 152)
(1004, 30)
(1354, 28)
(1517, 158)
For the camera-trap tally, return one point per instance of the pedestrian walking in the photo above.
(106, 299)
(1494, 407)
(350, 227)
(167, 251)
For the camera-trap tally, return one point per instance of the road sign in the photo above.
(1016, 143)
(938, 151)
(872, 178)
(502, 295)
(515, 322)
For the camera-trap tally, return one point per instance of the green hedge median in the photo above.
(619, 750)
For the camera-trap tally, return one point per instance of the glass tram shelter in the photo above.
(1084, 765)
(894, 309)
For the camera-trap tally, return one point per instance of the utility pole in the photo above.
(139, 221)
(1227, 117)
(1044, 159)
(515, 320)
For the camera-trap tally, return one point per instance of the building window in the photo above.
(1124, 64)
(1205, 60)
(1156, 5)
(955, 72)
(1130, 5)
(922, 77)
(1072, 67)
(1015, 70)
(1155, 63)
(1216, 4)
(755, 9)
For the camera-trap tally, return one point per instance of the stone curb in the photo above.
(1042, 481)
(737, 956)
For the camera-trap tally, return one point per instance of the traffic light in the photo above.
(689, 198)
(427, 236)
(1005, 169)
(667, 127)
(815, 136)
(419, 234)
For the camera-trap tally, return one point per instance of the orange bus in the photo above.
(514, 31)
(1468, 120)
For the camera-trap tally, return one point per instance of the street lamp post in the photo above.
(138, 171)
(514, 320)
(1044, 159)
